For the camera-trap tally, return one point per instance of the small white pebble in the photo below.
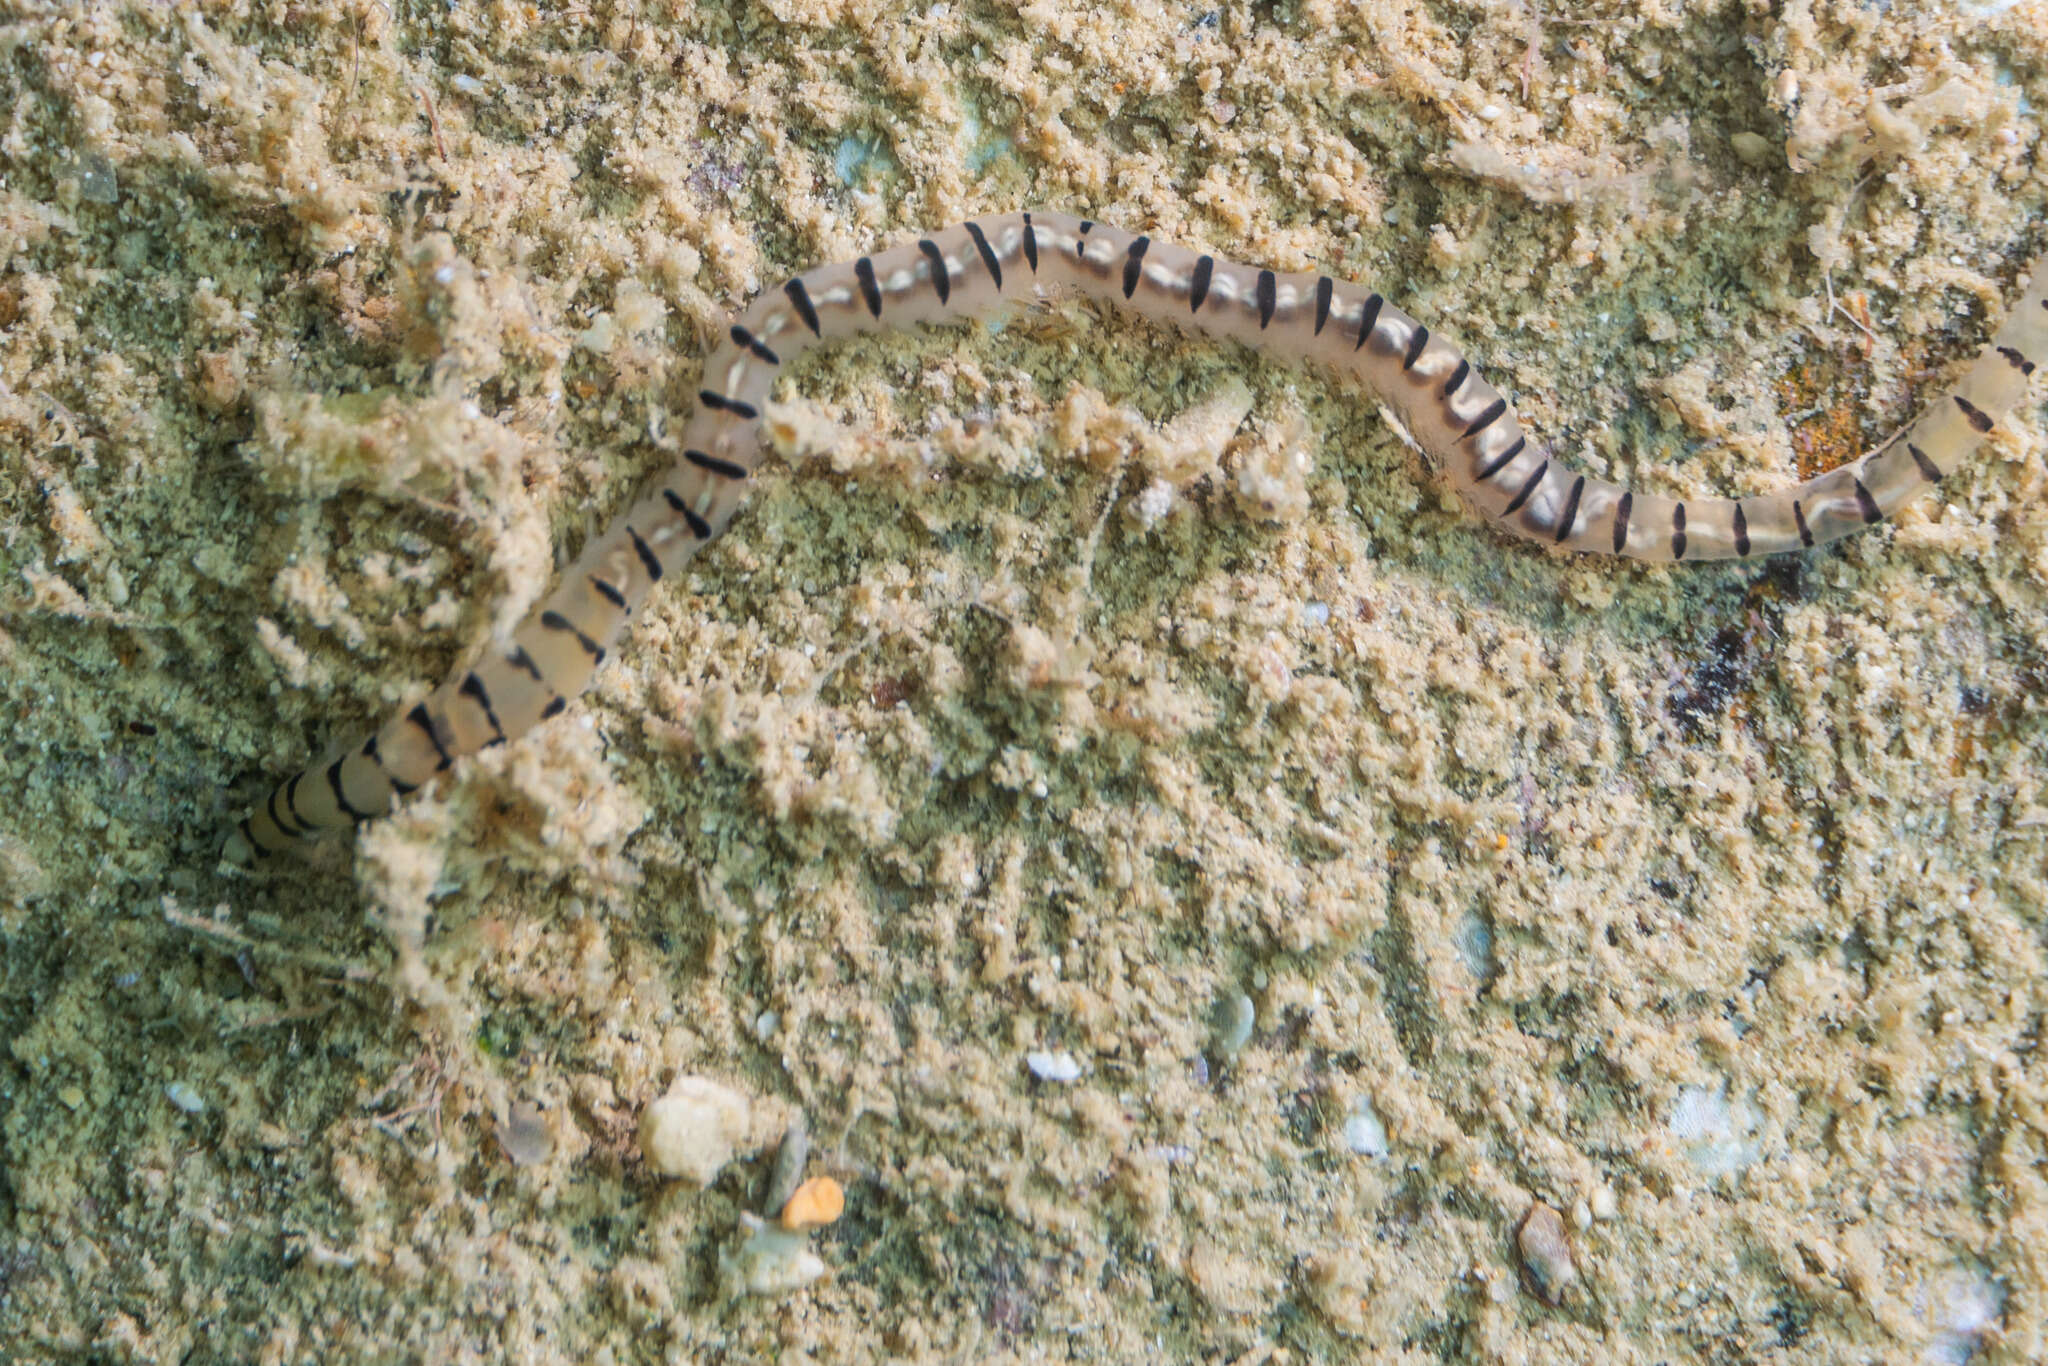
(1154, 503)
(1582, 1215)
(1364, 1133)
(1603, 1203)
(1053, 1067)
(765, 1025)
(185, 1098)
(1490, 112)
(1315, 613)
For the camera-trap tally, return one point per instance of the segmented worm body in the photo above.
(1464, 424)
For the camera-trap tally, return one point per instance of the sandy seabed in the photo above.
(1382, 879)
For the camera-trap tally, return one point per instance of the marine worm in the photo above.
(1463, 423)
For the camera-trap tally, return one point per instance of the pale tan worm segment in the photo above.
(1464, 424)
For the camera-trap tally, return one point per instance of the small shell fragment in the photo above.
(1053, 1067)
(1546, 1252)
(1365, 1133)
(816, 1203)
(1231, 1021)
(525, 1136)
(182, 1095)
(769, 1261)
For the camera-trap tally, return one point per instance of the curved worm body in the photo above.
(1464, 424)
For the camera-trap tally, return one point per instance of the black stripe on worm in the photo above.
(1571, 509)
(649, 561)
(1799, 516)
(1457, 377)
(942, 285)
(555, 621)
(800, 300)
(699, 528)
(1134, 264)
(473, 688)
(1515, 504)
(1368, 318)
(1326, 289)
(340, 797)
(1417, 339)
(987, 253)
(1622, 509)
(291, 827)
(1929, 471)
(1976, 416)
(2019, 362)
(718, 402)
(1866, 504)
(711, 464)
(608, 591)
(1198, 285)
(249, 834)
(1678, 532)
(555, 707)
(1087, 226)
(291, 801)
(1268, 291)
(371, 753)
(864, 271)
(522, 660)
(1486, 418)
(747, 341)
(1741, 524)
(1030, 244)
(1501, 461)
(424, 719)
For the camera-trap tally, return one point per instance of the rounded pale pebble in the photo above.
(1053, 1067)
(694, 1129)
(816, 1203)
(1546, 1252)
(1603, 1203)
(182, 1095)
